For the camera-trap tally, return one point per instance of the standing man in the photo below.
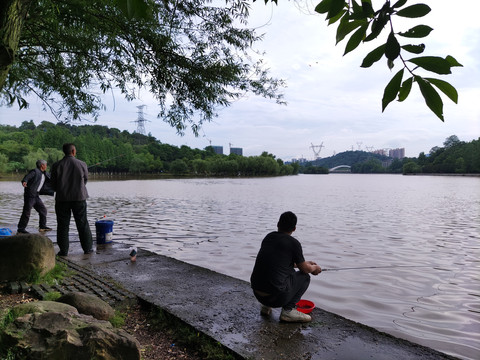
(69, 177)
(33, 183)
(274, 280)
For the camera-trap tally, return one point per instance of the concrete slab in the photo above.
(225, 309)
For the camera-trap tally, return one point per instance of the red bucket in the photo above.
(305, 306)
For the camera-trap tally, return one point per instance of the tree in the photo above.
(189, 54)
(451, 141)
(193, 57)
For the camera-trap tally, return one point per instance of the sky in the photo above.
(332, 103)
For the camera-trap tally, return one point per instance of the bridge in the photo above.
(341, 169)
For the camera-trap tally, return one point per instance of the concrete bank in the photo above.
(225, 309)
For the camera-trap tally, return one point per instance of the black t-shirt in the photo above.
(274, 266)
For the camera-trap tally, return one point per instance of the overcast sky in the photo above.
(331, 100)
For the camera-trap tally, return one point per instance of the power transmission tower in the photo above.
(140, 120)
(316, 150)
(359, 144)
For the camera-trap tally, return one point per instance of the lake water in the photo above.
(416, 240)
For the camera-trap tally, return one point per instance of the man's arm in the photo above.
(309, 267)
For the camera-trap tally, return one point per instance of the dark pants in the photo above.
(287, 300)
(64, 210)
(37, 204)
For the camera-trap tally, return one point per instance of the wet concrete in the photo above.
(225, 309)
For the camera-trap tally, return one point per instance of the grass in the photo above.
(54, 276)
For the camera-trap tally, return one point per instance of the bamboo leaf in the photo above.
(392, 89)
(415, 49)
(446, 88)
(392, 48)
(373, 56)
(434, 64)
(405, 89)
(414, 11)
(356, 39)
(432, 99)
(418, 31)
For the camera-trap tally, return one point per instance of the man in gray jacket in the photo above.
(33, 183)
(69, 177)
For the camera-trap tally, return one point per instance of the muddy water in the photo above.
(416, 240)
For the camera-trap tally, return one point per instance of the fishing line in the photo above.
(101, 162)
(380, 267)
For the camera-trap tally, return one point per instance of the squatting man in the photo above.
(274, 280)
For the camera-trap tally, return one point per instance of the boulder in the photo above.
(88, 304)
(21, 256)
(67, 335)
(43, 307)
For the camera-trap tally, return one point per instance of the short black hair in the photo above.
(287, 222)
(68, 148)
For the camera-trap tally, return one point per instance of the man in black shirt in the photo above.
(274, 280)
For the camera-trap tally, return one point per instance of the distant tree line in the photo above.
(109, 150)
(455, 157)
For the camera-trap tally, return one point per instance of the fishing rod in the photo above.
(101, 162)
(379, 267)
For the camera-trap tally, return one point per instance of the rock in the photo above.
(88, 304)
(67, 335)
(22, 256)
(43, 307)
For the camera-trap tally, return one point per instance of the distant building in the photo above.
(218, 149)
(300, 160)
(397, 153)
(238, 151)
(380, 152)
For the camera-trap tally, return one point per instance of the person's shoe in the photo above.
(61, 253)
(46, 228)
(88, 252)
(294, 316)
(22, 231)
(265, 310)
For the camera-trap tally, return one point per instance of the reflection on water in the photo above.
(416, 238)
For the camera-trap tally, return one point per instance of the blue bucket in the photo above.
(4, 232)
(104, 231)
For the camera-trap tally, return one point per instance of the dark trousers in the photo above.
(64, 210)
(37, 204)
(288, 299)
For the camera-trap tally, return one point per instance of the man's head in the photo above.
(42, 164)
(287, 222)
(69, 149)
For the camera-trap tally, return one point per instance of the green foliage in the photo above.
(52, 296)
(54, 276)
(310, 169)
(118, 319)
(367, 24)
(110, 151)
(456, 157)
(193, 56)
(349, 158)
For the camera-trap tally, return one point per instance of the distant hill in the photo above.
(349, 158)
